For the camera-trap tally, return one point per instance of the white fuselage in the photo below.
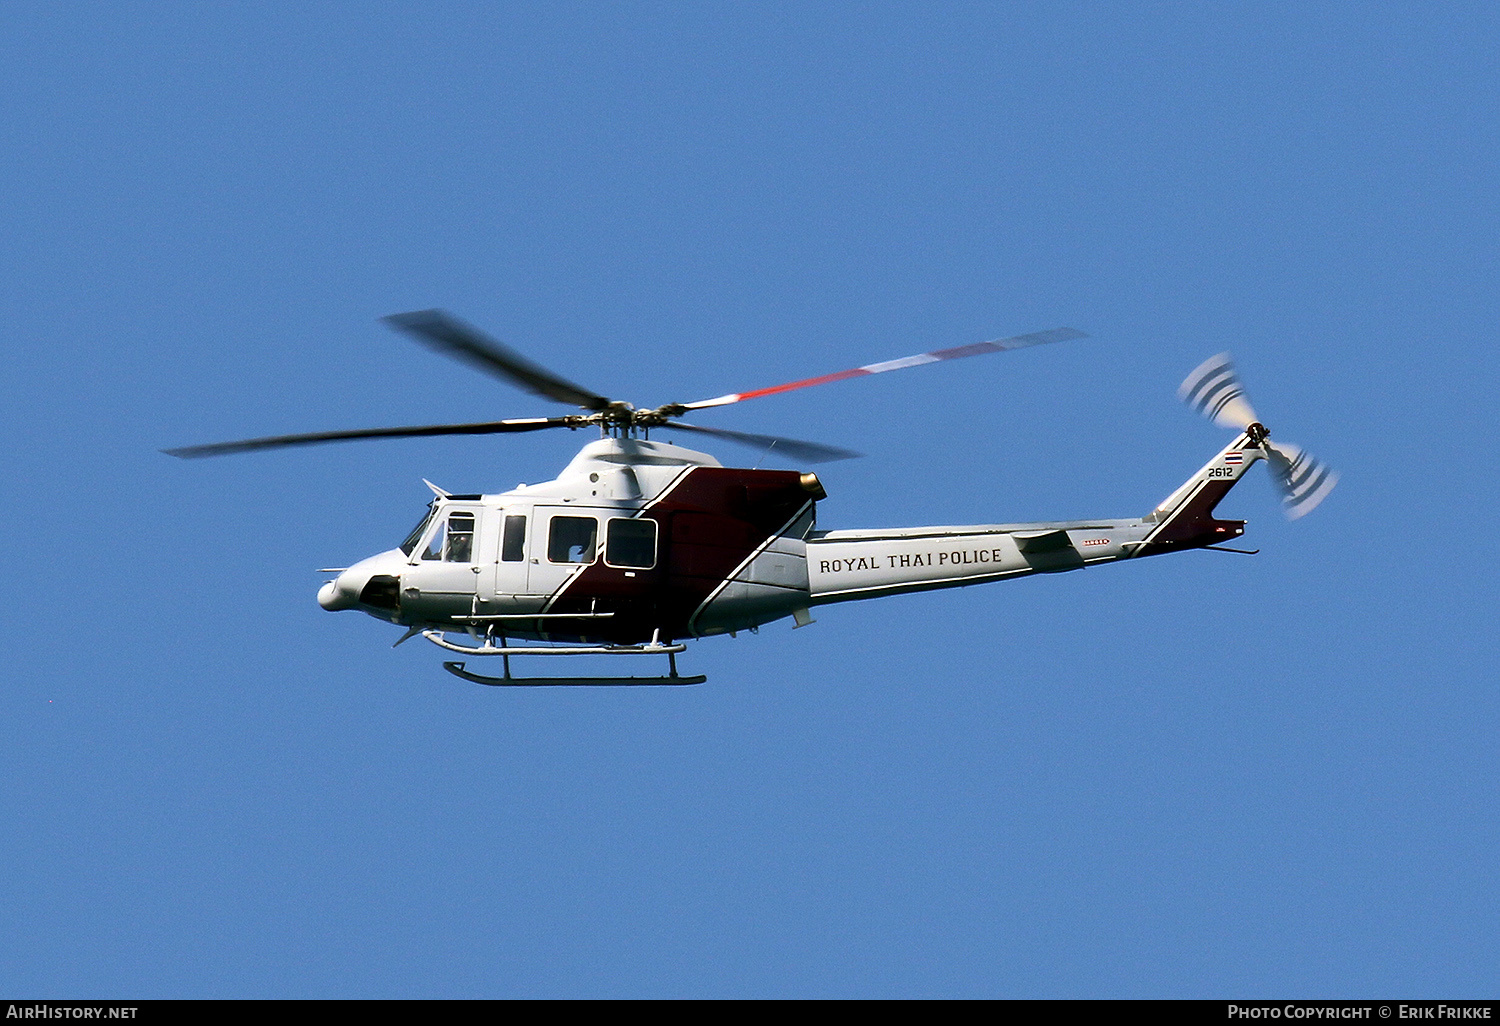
(637, 539)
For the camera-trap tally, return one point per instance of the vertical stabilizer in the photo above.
(1185, 520)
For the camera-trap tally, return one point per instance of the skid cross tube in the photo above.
(650, 648)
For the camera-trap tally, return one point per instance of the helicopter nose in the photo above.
(372, 582)
(334, 595)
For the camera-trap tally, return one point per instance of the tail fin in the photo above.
(1185, 520)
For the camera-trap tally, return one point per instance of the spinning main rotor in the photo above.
(446, 334)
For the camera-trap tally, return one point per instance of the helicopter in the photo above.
(640, 545)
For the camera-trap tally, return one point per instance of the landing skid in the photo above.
(505, 650)
(457, 669)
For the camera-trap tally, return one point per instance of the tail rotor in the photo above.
(1304, 480)
(1214, 390)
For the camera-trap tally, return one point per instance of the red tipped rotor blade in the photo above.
(957, 352)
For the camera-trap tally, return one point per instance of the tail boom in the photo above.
(847, 565)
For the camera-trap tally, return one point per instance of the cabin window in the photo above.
(434, 548)
(453, 541)
(513, 544)
(410, 545)
(571, 539)
(631, 543)
(460, 545)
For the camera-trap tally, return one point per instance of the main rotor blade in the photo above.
(811, 452)
(448, 335)
(283, 441)
(999, 345)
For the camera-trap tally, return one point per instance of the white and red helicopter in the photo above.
(639, 545)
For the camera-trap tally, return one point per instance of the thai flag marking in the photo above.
(1234, 457)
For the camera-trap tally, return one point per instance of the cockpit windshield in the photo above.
(409, 546)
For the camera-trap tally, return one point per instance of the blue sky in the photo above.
(1199, 775)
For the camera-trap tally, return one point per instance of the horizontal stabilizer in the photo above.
(1034, 543)
(1048, 552)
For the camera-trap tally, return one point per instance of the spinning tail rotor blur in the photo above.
(1214, 390)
